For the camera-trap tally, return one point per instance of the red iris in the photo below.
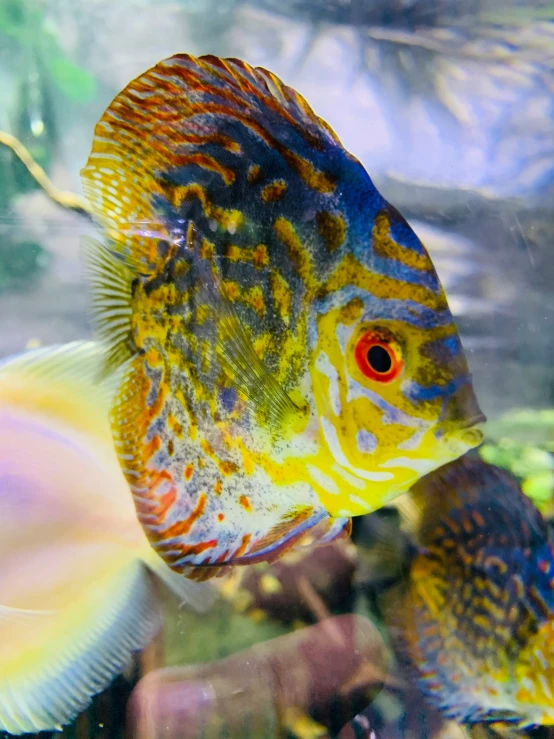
(378, 358)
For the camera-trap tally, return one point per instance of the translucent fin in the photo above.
(76, 598)
(384, 550)
(287, 533)
(196, 595)
(469, 482)
(410, 511)
(338, 528)
(78, 654)
(110, 285)
(76, 362)
(59, 382)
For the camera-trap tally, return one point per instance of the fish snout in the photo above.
(463, 414)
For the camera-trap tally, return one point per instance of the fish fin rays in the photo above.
(305, 525)
(18, 615)
(198, 596)
(61, 382)
(67, 670)
(110, 285)
(76, 362)
(237, 357)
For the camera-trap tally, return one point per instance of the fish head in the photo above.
(391, 383)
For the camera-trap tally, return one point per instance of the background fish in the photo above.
(474, 622)
(292, 357)
(76, 598)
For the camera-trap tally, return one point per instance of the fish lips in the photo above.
(463, 416)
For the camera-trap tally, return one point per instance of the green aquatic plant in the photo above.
(522, 442)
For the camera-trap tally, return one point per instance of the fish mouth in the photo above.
(462, 410)
(475, 420)
(463, 417)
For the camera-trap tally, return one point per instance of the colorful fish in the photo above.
(291, 359)
(75, 595)
(474, 624)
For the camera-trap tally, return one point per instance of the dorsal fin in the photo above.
(469, 482)
(110, 286)
(195, 122)
(479, 512)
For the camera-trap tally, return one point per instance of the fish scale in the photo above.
(246, 244)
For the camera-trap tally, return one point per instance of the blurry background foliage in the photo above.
(30, 44)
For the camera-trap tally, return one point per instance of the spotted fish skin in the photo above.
(475, 623)
(248, 255)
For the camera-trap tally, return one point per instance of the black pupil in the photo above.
(379, 359)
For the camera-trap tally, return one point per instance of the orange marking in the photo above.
(201, 160)
(178, 194)
(274, 191)
(232, 290)
(223, 556)
(315, 179)
(243, 547)
(281, 529)
(297, 253)
(174, 425)
(332, 229)
(228, 467)
(322, 182)
(385, 246)
(228, 218)
(245, 503)
(352, 272)
(217, 138)
(207, 448)
(155, 478)
(255, 299)
(247, 460)
(187, 549)
(282, 295)
(206, 249)
(234, 253)
(218, 487)
(466, 523)
(183, 527)
(254, 173)
(188, 471)
(166, 502)
(235, 82)
(478, 518)
(220, 517)
(260, 256)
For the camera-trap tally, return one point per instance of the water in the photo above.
(448, 105)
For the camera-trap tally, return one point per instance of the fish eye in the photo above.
(378, 356)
